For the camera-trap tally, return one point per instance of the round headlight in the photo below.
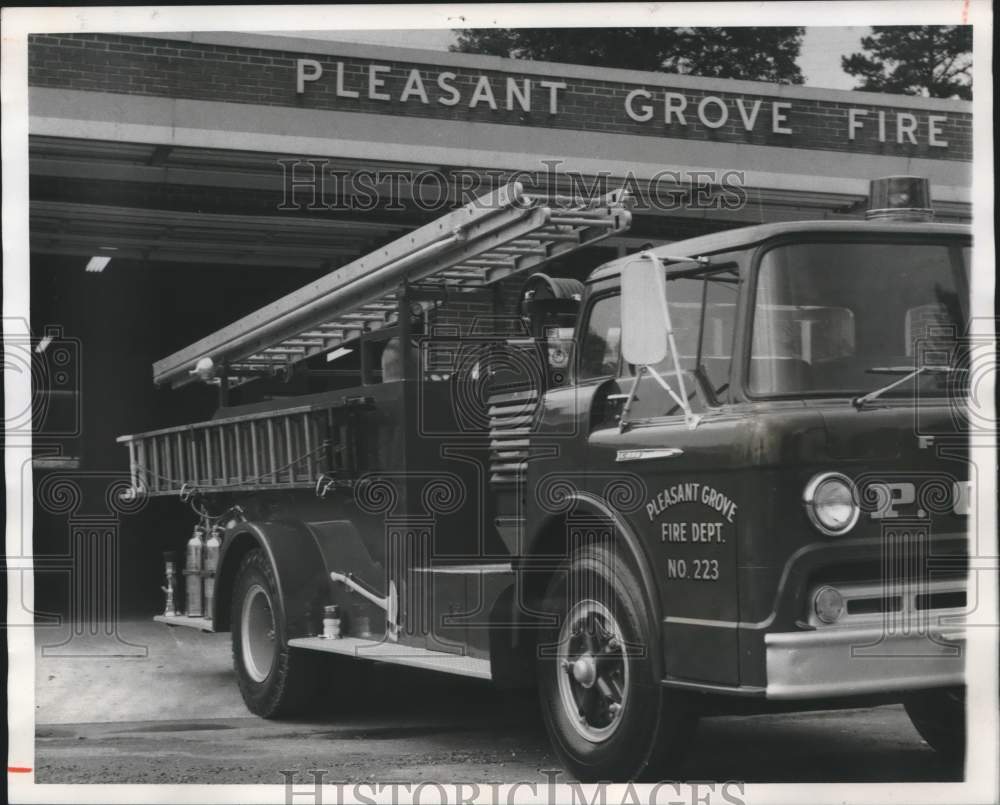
(828, 604)
(831, 503)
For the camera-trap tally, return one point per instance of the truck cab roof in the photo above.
(749, 236)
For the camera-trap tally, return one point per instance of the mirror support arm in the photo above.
(689, 418)
(623, 422)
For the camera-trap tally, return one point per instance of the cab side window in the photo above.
(717, 329)
(703, 316)
(601, 344)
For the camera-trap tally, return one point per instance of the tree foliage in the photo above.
(755, 54)
(930, 60)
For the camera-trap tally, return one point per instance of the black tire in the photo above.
(603, 638)
(274, 680)
(939, 717)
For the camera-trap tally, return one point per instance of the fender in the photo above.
(586, 501)
(299, 568)
(303, 554)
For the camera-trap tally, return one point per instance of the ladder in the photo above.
(492, 237)
(304, 446)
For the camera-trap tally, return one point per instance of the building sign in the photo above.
(641, 105)
(486, 90)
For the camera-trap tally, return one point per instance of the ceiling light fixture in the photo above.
(97, 264)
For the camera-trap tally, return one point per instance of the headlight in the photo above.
(831, 503)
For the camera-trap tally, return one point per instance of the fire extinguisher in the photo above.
(211, 556)
(192, 571)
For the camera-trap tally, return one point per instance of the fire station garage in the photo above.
(180, 181)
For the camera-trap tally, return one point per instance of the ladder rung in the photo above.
(465, 270)
(481, 262)
(461, 280)
(238, 439)
(580, 221)
(289, 450)
(552, 234)
(521, 250)
(349, 317)
(283, 350)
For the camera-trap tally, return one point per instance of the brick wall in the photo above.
(177, 69)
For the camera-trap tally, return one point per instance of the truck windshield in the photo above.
(829, 317)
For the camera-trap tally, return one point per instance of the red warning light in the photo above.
(900, 198)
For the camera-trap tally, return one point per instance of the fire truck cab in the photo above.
(730, 472)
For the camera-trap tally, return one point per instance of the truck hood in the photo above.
(893, 432)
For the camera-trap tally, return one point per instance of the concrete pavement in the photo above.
(167, 710)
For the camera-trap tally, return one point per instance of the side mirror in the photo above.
(647, 334)
(644, 311)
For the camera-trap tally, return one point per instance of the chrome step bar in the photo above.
(201, 624)
(398, 654)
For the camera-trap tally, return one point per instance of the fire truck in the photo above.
(729, 474)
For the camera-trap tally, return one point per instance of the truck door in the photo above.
(688, 514)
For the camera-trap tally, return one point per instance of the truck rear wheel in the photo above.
(608, 717)
(939, 717)
(274, 679)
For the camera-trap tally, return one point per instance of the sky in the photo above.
(819, 58)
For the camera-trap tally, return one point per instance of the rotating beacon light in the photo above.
(900, 198)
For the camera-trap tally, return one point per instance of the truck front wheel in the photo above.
(274, 680)
(608, 717)
(939, 717)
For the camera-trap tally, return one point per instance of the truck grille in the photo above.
(929, 568)
(905, 605)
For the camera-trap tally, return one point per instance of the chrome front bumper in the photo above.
(862, 659)
(908, 649)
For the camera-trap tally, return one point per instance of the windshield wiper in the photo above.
(860, 401)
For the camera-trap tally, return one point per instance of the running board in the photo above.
(398, 654)
(202, 624)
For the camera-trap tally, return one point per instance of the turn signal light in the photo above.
(828, 604)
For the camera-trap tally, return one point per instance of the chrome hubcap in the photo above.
(594, 671)
(585, 670)
(257, 633)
